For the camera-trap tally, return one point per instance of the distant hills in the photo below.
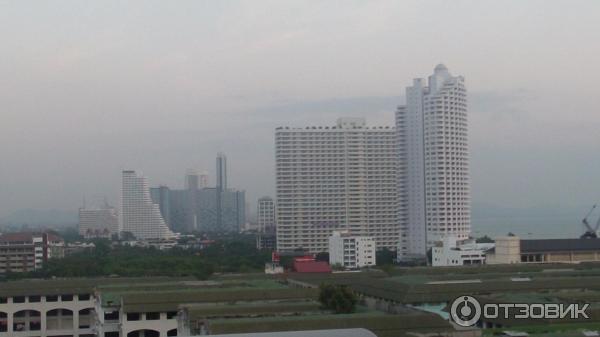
(484, 210)
(40, 218)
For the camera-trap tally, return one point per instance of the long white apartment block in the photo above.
(336, 178)
(350, 251)
(433, 172)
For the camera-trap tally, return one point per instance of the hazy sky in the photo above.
(88, 88)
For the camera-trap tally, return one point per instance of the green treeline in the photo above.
(227, 256)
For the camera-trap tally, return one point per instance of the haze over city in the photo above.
(260, 168)
(88, 89)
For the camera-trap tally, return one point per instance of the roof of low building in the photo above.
(59, 286)
(173, 300)
(559, 245)
(310, 333)
(46, 287)
(201, 311)
(26, 236)
(312, 267)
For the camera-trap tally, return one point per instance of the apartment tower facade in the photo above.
(139, 215)
(433, 166)
(336, 178)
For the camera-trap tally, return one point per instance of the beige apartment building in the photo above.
(25, 252)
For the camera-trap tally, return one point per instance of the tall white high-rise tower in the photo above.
(139, 215)
(434, 188)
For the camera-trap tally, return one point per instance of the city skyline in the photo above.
(532, 107)
(299, 168)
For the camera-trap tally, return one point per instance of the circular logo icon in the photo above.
(465, 311)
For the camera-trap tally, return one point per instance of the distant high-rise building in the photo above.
(266, 215)
(162, 197)
(139, 215)
(196, 179)
(221, 171)
(181, 211)
(192, 186)
(338, 178)
(266, 238)
(221, 187)
(202, 208)
(433, 170)
(98, 221)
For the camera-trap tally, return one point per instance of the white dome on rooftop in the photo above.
(440, 67)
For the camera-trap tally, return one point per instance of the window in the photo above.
(35, 299)
(83, 297)
(152, 316)
(111, 316)
(52, 298)
(66, 298)
(133, 316)
(171, 314)
(19, 299)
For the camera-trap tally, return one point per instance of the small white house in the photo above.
(351, 251)
(453, 252)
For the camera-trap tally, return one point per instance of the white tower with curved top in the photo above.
(139, 215)
(434, 187)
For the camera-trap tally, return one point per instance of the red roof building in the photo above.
(306, 264)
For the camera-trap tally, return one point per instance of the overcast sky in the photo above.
(88, 88)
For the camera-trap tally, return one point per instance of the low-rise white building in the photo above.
(453, 252)
(351, 251)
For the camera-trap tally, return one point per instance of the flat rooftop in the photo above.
(310, 333)
(559, 245)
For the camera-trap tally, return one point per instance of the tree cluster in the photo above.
(338, 298)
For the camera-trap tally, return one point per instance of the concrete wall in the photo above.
(507, 251)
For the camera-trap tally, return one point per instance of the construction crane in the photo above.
(590, 233)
